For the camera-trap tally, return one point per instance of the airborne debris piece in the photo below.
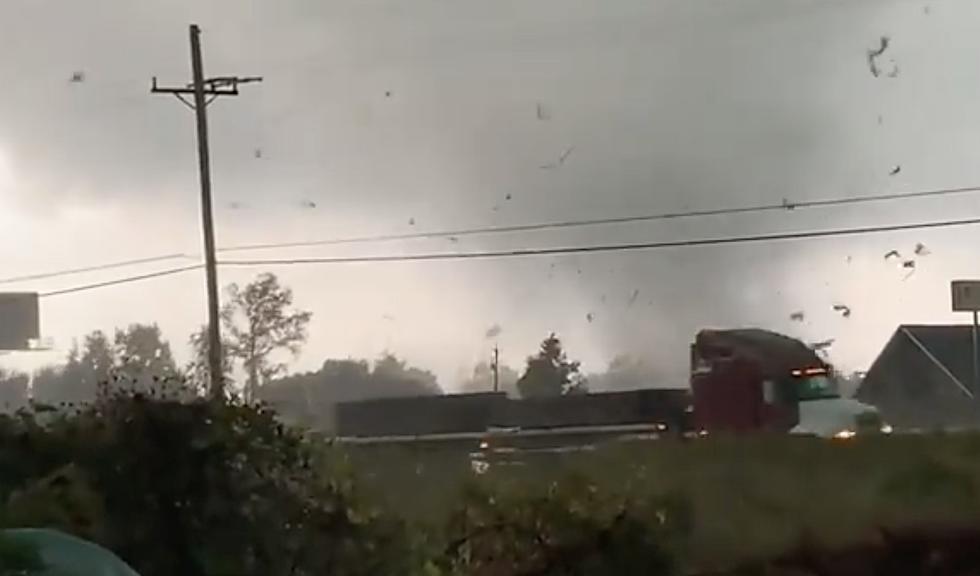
(387, 93)
(589, 317)
(797, 316)
(77, 77)
(844, 309)
(922, 250)
(788, 205)
(258, 153)
(411, 221)
(881, 119)
(236, 205)
(895, 170)
(875, 53)
(633, 296)
(561, 159)
(910, 266)
(508, 197)
(824, 344)
(892, 254)
(894, 70)
(453, 239)
(542, 112)
(308, 204)
(388, 317)
(493, 331)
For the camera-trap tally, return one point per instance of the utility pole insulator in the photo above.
(204, 91)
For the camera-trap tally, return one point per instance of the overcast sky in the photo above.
(384, 113)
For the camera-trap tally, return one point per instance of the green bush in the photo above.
(570, 530)
(193, 488)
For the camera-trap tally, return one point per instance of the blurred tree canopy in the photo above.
(550, 372)
(258, 321)
(138, 358)
(309, 398)
(482, 379)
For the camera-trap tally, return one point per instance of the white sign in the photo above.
(966, 295)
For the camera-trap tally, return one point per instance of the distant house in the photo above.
(923, 379)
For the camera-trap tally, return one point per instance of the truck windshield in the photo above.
(816, 387)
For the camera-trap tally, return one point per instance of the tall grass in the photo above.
(749, 497)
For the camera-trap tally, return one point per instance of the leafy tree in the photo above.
(550, 373)
(626, 372)
(137, 358)
(258, 321)
(198, 370)
(482, 379)
(13, 390)
(310, 398)
(143, 357)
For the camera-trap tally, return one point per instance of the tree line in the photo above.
(261, 332)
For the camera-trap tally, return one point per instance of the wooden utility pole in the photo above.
(204, 91)
(496, 368)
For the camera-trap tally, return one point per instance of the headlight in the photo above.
(886, 429)
(845, 435)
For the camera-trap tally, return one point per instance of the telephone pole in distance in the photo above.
(204, 91)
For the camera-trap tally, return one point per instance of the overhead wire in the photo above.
(93, 268)
(785, 205)
(117, 281)
(552, 251)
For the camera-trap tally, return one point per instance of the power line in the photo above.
(117, 281)
(95, 268)
(522, 252)
(785, 205)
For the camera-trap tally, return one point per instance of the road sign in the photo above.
(19, 320)
(966, 295)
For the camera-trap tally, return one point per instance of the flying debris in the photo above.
(894, 71)
(308, 204)
(493, 331)
(453, 239)
(892, 254)
(561, 159)
(508, 197)
(894, 171)
(823, 345)
(388, 317)
(797, 316)
(387, 93)
(848, 259)
(927, 10)
(844, 309)
(77, 77)
(910, 266)
(589, 317)
(633, 296)
(602, 298)
(236, 205)
(881, 119)
(542, 112)
(875, 53)
(788, 205)
(411, 221)
(258, 153)
(922, 250)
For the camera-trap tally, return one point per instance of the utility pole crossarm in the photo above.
(204, 91)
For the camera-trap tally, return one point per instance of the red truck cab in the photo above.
(752, 380)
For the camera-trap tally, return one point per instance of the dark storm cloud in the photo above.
(374, 115)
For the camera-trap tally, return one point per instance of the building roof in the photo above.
(924, 376)
(775, 351)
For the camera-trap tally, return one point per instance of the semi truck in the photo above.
(754, 380)
(741, 381)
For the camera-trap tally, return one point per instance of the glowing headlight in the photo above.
(886, 429)
(845, 435)
(484, 445)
